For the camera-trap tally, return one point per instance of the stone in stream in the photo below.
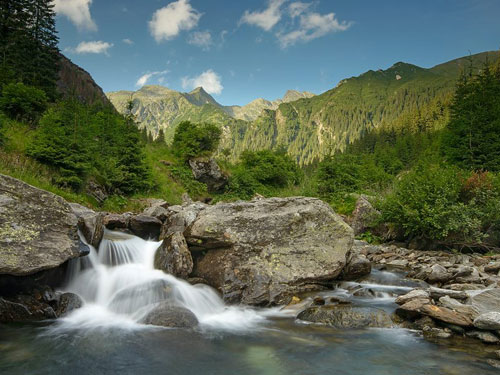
(489, 321)
(446, 315)
(485, 300)
(167, 315)
(342, 316)
(90, 223)
(173, 256)
(67, 303)
(38, 230)
(438, 274)
(264, 251)
(412, 295)
(437, 293)
(146, 227)
(357, 266)
(484, 336)
(493, 267)
(24, 308)
(463, 309)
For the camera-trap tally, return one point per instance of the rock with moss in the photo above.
(38, 230)
(264, 251)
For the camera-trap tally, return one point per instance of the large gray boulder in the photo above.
(263, 251)
(173, 256)
(208, 172)
(38, 230)
(485, 300)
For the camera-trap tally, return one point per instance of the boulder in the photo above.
(437, 293)
(67, 303)
(179, 218)
(25, 308)
(357, 266)
(438, 274)
(446, 315)
(344, 316)
(208, 172)
(493, 267)
(168, 315)
(452, 304)
(174, 257)
(264, 251)
(489, 321)
(38, 230)
(90, 223)
(146, 227)
(484, 336)
(485, 300)
(413, 295)
(364, 216)
(158, 208)
(116, 221)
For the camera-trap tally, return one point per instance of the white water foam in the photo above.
(119, 286)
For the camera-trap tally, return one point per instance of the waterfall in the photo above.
(119, 286)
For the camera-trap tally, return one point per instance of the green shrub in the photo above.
(23, 103)
(427, 203)
(263, 172)
(193, 140)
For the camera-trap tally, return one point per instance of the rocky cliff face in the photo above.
(74, 81)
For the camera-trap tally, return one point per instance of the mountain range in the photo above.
(308, 126)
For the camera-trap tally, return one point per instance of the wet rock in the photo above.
(484, 336)
(401, 263)
(485, 300)
(446, 315)
(67, 303)
(318, 301)
(424, 323)
(413, 295)
(452, 304)
(494, 362)
(90, 223)
(357, 266)
(146, 227)
(174, 257)
(342, 316)
(411, 309)
(489, 321)
(116, 221)
(262, 252)
(437, 293)
(436, 333)
(196, 280)
(24, 308)
(493, 267)
(38, 230)
(438, 274)
(208, 172)
(167, 315)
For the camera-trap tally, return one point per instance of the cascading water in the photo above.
(119, 286)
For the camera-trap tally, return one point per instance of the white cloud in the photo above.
(312, 26)
(97, 47)
(297, 8)
(147, 77)
(209, 80)
(128, 41)
(78, 12)
(169, 21)
(265, 19)
(202, 39)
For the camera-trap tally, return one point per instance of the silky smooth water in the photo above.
(119, 286)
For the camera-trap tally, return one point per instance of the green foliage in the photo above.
(82, 143)
(28, 44)
(183, 174)
(263, 172)
(440, 202)
(23, 103)
(473, 139)
(193, 140)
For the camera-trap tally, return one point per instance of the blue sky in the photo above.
(240, 50)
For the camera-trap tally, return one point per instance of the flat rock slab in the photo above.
(38, 229)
